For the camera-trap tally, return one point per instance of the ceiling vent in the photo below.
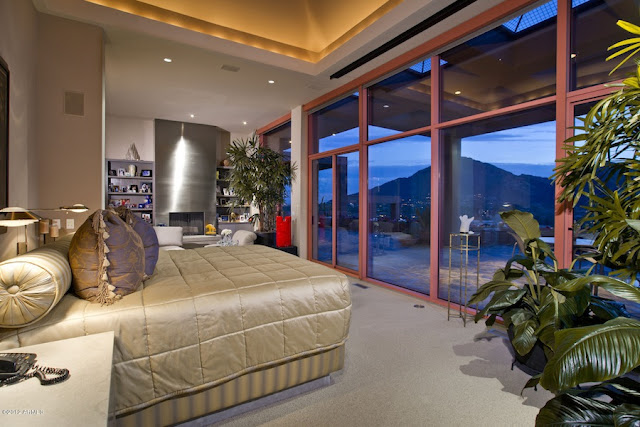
(231, 68)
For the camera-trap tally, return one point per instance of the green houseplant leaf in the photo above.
(522, 223)
(568, 410)
(593, 353)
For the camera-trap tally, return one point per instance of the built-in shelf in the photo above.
(115, 168)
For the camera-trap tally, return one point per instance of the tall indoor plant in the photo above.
(607, 152)
(259, 175)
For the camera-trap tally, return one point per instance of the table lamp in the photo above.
(18, 217)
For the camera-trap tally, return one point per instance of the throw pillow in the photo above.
(146, 233)
(244, 237)
(106, 258)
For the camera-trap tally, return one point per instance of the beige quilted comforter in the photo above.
(206, 316)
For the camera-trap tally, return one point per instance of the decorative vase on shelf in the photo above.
(132, 153)
(132, 170)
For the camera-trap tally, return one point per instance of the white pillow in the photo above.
(169, 236)
(244, 237)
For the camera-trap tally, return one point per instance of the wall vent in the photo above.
(74, 103)
(231, 68)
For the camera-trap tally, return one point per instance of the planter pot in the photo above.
(532, 362)
(266, 239)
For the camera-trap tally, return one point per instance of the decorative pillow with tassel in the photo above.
(106, 258)
(146, 233)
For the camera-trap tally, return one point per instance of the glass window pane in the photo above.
(322, 210)
(279, 140)
(491, 166)
(348, 205)
(336, 126)
(400, 211)
(589, 48)
(511, 64)
(401, 102)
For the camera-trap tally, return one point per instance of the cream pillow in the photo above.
(33, 283)
(244, 237)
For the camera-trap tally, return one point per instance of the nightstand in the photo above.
(81, 400)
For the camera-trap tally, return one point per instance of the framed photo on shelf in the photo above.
(112, 172)
(224, 218)
(145, 187)
(147, 173)
(121, 172)
(146, 217)
(225, 191)
(141, 205)
(133, 188)
(124, 188)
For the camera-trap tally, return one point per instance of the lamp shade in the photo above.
(78, 207)
(16, 217)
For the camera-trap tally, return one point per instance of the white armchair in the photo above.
(169, 238)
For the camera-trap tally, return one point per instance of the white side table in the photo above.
(81, 400)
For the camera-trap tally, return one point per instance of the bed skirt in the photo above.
(242, 389)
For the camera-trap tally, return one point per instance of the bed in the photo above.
(213, 327)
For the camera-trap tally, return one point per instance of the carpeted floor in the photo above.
(408, 366)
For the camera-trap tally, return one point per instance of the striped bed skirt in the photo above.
(247, 387)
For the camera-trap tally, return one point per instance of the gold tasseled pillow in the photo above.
(106, 257)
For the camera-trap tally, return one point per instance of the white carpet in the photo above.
(409, 366)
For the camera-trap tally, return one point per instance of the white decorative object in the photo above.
(226, 238)
(465, 223)
(132, 153)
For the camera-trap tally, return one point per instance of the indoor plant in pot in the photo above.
(535, 298)
(259, 175)
(607, 354)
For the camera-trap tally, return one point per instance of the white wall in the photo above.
(121, 132)
(18, 47)
(54, 159)
(299, 187)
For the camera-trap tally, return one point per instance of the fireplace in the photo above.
(192, 223)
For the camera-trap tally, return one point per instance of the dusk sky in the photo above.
(527, 149)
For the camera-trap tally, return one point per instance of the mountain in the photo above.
(482, 188)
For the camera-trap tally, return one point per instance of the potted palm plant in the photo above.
(606, 354)
(259, 175)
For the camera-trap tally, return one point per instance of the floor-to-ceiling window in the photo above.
(474, 129)
(399, 199)
(491, 166)
(335, 217)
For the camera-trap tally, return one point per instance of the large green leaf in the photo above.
(522, 223)
(524, 337)
(483, 292)
(593, 353)
(617, 287)
(501, 301)
(569, 410)
(627, 415)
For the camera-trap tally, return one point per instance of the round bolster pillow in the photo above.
(33, 283)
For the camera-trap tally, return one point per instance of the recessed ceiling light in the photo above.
(244, 123)
(192, 115)
(457, 92)
(168, 60)
(271, 82)
(573, 55)
(385, 106)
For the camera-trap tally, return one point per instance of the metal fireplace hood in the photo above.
(186, 156)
